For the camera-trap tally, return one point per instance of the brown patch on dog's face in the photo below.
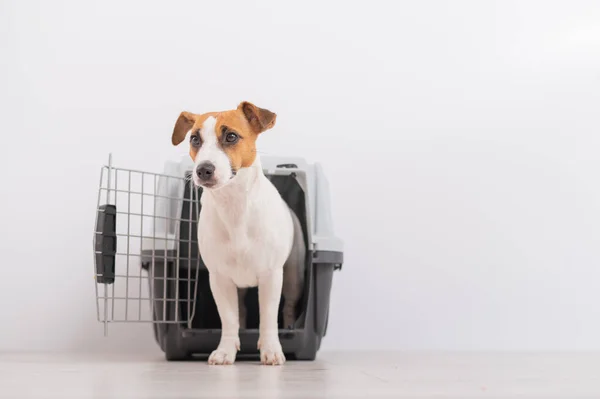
(233, 134)
(186, 122)
(237, 136)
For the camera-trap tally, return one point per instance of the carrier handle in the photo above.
(106, 243)
(288, 166)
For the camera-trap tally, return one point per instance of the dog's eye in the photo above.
(195, 140)
(231, 137)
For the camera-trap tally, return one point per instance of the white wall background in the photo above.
(461, 140)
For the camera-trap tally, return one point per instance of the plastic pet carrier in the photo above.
(148, 267)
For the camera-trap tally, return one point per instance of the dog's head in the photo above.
(221, 143)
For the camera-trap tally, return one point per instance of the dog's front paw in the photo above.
(270, 351)
(224, 354)
(221, 357)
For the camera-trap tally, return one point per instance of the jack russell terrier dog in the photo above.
(247, 234)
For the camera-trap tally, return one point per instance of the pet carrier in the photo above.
(148, 267)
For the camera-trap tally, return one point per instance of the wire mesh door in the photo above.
(145, 247)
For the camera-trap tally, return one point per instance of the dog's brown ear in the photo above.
(182, 126)
(260, 119)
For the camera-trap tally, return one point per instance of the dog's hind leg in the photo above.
(293, 275)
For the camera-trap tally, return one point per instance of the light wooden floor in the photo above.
(334, 375)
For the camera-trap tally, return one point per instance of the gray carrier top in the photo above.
(310, 176)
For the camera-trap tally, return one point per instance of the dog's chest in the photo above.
(256, 243)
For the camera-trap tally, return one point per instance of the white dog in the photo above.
(247, 234)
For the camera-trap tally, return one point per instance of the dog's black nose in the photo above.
(205, 171)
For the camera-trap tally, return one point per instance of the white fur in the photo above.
(245, 234)
(211, 152)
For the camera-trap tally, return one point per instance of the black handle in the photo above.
(288, 165)
(106, 243)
